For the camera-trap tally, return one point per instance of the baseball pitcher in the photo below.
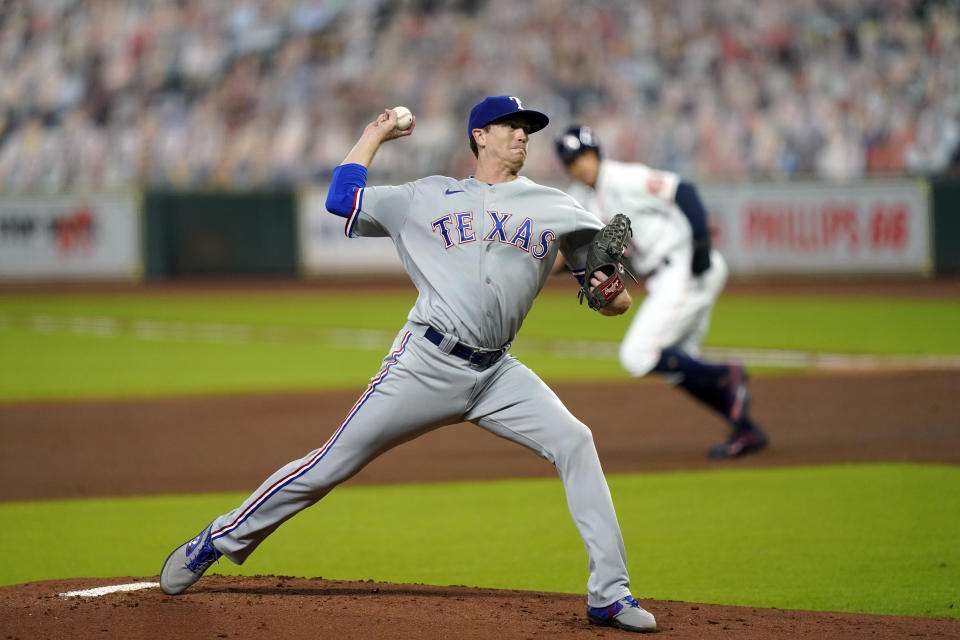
(478, 250)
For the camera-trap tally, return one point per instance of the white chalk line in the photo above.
(96, 592)
(375, 339)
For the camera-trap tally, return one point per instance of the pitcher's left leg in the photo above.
(515, 404)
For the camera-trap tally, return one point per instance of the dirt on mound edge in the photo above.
(276, 607)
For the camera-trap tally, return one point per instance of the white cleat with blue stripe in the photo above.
(626, 614)
(187, 563)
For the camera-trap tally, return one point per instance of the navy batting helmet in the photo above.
(574, 141)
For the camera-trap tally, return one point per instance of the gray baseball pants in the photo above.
(420, 388)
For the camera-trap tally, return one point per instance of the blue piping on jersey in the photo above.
(354, 213)
(319, 455)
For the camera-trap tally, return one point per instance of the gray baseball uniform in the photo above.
(478, 255)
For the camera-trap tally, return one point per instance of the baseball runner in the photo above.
(478, 250)
(671, 246)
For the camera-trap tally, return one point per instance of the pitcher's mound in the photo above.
(284, 608)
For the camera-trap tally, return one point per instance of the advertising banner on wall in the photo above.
(68, 237)
(324, 249)
(810, 228)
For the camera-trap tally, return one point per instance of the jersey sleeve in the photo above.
(692, 206)
(379, 211)
(370, 211)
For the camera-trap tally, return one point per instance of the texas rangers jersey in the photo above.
(477, 253)
(646, 196)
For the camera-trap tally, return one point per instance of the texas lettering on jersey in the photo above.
(457, 229)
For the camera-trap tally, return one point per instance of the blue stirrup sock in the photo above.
(708, 383)
(691, 371)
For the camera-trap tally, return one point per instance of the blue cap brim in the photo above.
(534, 119)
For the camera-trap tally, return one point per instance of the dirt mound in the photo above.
(271, 607)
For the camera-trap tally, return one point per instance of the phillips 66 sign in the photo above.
(867, 227)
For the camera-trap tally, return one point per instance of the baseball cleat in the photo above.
(187, 563)
(739, 443)
(625, 613)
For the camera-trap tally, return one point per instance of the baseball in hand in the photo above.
(404, 118)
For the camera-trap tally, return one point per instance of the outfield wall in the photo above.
(899, 227)
(214, 233)
(946, 225)
(70, 237)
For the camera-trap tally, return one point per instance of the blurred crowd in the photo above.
(105, 94)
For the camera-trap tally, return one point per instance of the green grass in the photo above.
(60, 352)
(862, 325)
(326, 309)
(877, 538)
(67, 366)
(94, 345)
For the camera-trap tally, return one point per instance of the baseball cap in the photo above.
(574, 141)
(495, 107)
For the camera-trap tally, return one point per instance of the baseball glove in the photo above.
(605, 254)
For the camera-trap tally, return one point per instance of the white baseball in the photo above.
(404, 118)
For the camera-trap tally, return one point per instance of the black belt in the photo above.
(476, 357)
